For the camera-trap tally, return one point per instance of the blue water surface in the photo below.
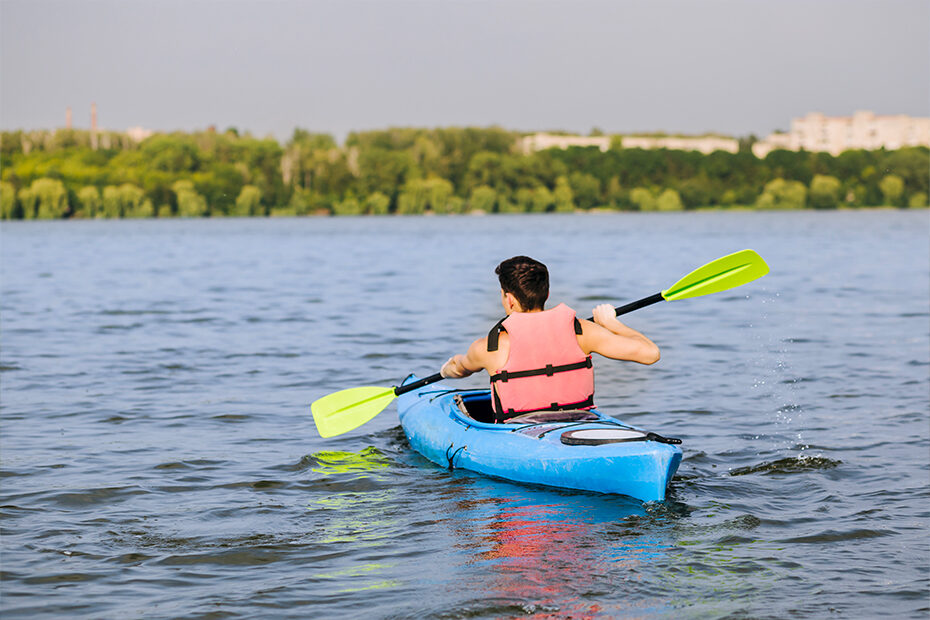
(158, 459)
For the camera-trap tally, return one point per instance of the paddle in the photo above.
(342, 411)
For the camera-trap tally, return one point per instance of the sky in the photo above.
(736, 67)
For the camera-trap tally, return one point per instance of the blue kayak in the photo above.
(584, 450)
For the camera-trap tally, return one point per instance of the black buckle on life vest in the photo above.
(502, 376)
(549, 370)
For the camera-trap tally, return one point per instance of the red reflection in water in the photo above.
(540, 554)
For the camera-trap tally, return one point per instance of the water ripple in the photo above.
(158, 457)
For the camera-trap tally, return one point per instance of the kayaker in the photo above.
(540, 360)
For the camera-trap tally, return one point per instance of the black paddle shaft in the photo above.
(630, 307)
(636, 305)
(416, 385)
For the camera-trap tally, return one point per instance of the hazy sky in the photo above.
(268, 66)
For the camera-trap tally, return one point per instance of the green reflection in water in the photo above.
(330, 462)
(352, 507)
(354, 497)
(363, 573)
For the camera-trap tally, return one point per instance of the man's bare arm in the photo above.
(475, 359)
(609, 337)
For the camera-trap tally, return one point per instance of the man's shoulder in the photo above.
(478, 351)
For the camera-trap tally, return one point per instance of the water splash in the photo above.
(777, 384)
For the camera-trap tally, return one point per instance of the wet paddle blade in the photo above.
(720, 275)
(340, 412)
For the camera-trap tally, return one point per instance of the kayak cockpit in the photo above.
(477, 406)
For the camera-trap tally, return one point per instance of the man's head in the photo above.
(526, 279)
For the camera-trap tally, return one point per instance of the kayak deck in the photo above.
(454, 428)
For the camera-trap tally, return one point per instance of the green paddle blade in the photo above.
(720, 275)
(340, 412)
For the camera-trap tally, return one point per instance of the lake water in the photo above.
(158, 457)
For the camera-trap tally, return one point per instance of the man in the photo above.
(539, 360)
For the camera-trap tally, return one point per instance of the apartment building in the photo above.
(704, 144)
(835, 134)
(541, 141)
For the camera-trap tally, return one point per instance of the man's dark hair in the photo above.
(526, 279)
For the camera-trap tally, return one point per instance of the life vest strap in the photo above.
(549, 370)
(495, 333)
(510, 413)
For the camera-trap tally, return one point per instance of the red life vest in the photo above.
(546, 369)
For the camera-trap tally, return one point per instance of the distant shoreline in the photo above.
(79, 174)
(471, 214)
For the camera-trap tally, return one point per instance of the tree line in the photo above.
(77, 174)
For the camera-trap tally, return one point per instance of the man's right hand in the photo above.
(454, 369)
(605, 315)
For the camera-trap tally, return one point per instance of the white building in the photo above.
(542, 141)
(138, 134)
(835, 134)
(704, 144)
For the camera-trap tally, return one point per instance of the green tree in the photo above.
(505, 205)
(917, 200)
(422, 194)
(485, 168)
(790, 165)
(483, 199)
(349, 206)
(171, 153)
(563, 196)
(616, 196)
(190, 203)
(586, 188)
(456, 204)
(28, 201)
(249, 202)
(856, 194)
(669, 200)
(52, 199)
(892, 187)
(302, 202)
(384, 171)
(523, 199)
(543, 200)
(134, 202)
(440, 193)
(90, 202)
(782, 194)
(377, 204)
(127, 200)
(643, 199)
(912, 164)
(9, 209)
(112, 203)
(698, 191)
(414, 198)
(825, 192)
